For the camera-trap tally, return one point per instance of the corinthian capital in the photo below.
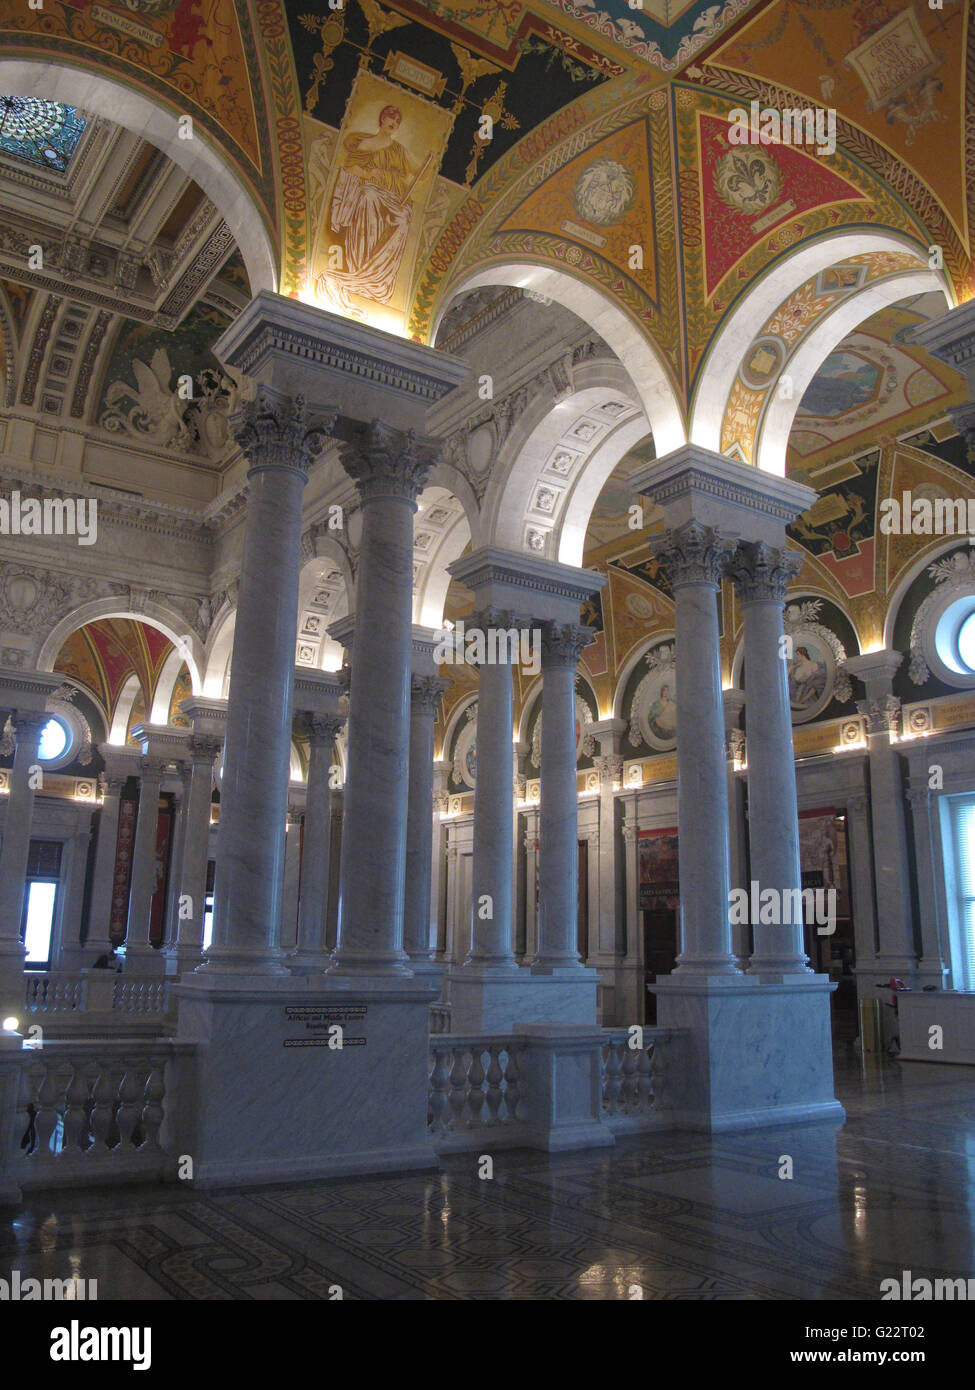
(693, 554)
(426, 692)
(564, 643)
(387, 462)
(274, 431)
(763, 572)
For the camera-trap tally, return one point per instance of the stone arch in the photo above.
(449, 536)
(558, 456)
(118, 728)
(158, 615)
(759, 302)
(142, 115)
(326, 592)
(168, 676)
(654, 388)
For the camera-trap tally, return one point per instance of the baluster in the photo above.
(438, 1091)
(458, 1088)
(644, 1079)
(49, 1093)
(628, 1095)
(494, 1075)
(152, 1111)
(512, 1091)
(129, 1098)
(476, 1094)
(102, 1111)
(76, 1108)
(612, 1078)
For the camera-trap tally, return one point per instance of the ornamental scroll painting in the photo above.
(385, 163)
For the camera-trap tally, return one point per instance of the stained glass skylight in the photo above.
(40, 132)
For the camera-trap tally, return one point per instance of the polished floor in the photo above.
(672, 1217)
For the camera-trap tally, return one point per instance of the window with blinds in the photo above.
(963, 845)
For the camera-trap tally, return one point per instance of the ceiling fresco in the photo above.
(103, 656)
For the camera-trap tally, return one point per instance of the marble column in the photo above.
(620, 992)
(693, 556)
(180, 799)
(492, 866)
(426, 692)
(140, 956)
(120, 763)
(293, 855)
(761, 574)
(897, 950)
(438, 881)
(186, 953)
(558, 864)
(734, 702)
(28, 725)
(310, 954)
(280, 443)
(390, 468)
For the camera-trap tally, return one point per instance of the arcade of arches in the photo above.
(486, 593)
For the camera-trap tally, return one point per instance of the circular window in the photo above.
(954, 641)
(966, 642)
(54, 740)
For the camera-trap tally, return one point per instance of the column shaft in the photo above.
(193, 877)
(492, 867)
(143, 882)
(28, 725)
(425, 696)
(389, 471)
(310, 950)
(254, 792)
(98, 942)
(558, 871)
(693, 556)
(761, 573)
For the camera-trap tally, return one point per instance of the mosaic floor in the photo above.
(672, 1217)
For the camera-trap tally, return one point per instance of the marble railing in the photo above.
(87, 997)
(473, 1083)
(502, 1088)
(632, 1076)
(439, 1018)
(90, 1112)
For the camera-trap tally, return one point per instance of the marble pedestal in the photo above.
(483, 1000)
(270, 1101)
(756, 1053)
(560, 1073)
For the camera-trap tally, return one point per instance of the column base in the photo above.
(483, 1000)
(302, 1108)
(757, 1053)
(142, 960)
(378, 964)
(182, 960)
(432, 970)
(229, 960)
(301, 962)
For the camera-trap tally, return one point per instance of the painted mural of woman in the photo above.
(370, 213)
